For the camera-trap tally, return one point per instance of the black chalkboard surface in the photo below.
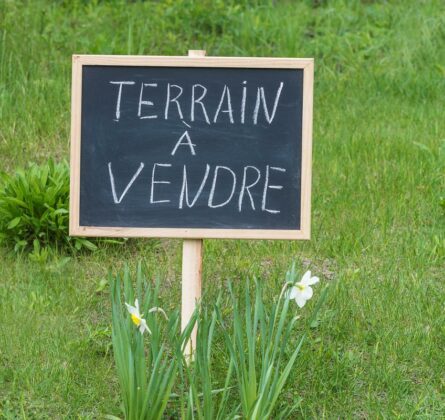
(198, 149)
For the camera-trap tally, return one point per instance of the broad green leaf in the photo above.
(14, 222)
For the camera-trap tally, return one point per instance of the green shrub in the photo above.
(34, 208)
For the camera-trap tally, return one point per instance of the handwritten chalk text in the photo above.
(188, 102)
(247, 189)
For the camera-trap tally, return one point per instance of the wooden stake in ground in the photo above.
(191, 272)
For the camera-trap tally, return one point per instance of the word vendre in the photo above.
(249, 178)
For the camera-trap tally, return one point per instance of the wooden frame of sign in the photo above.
(307, 65)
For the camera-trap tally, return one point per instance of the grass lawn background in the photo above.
(378, 232)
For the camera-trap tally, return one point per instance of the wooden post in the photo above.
(191, 286)
(191, 272)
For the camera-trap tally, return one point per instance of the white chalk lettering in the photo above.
(187, 143)
(245, 187)
(270, 117)
(198, 101)
(175, 100)
(260, 93)
(212, 190)
(147, 103)
(113, 187)
(267, 187)
(153, 182)
(119, 96)
(243, 103)
(184, 189)
(257, 106)
(253, 104)
(229, 110)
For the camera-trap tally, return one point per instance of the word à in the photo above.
(190, 103)
(238, 189)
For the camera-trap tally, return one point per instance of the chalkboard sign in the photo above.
(204, 147)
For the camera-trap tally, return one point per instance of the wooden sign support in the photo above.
(191, 272)
(191, 286)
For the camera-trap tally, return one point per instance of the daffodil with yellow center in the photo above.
(302, 291)
(136, 316)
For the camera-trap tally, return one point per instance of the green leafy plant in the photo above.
(157, 380)
(34, 208)
(200, 398)
(146, 364)
(257, 343)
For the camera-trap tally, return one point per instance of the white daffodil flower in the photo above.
(136, 317)
(302, 291)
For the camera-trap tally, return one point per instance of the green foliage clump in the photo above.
(34, 208)
(255, 347)
(146, 375)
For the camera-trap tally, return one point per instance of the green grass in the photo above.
(378, 232)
